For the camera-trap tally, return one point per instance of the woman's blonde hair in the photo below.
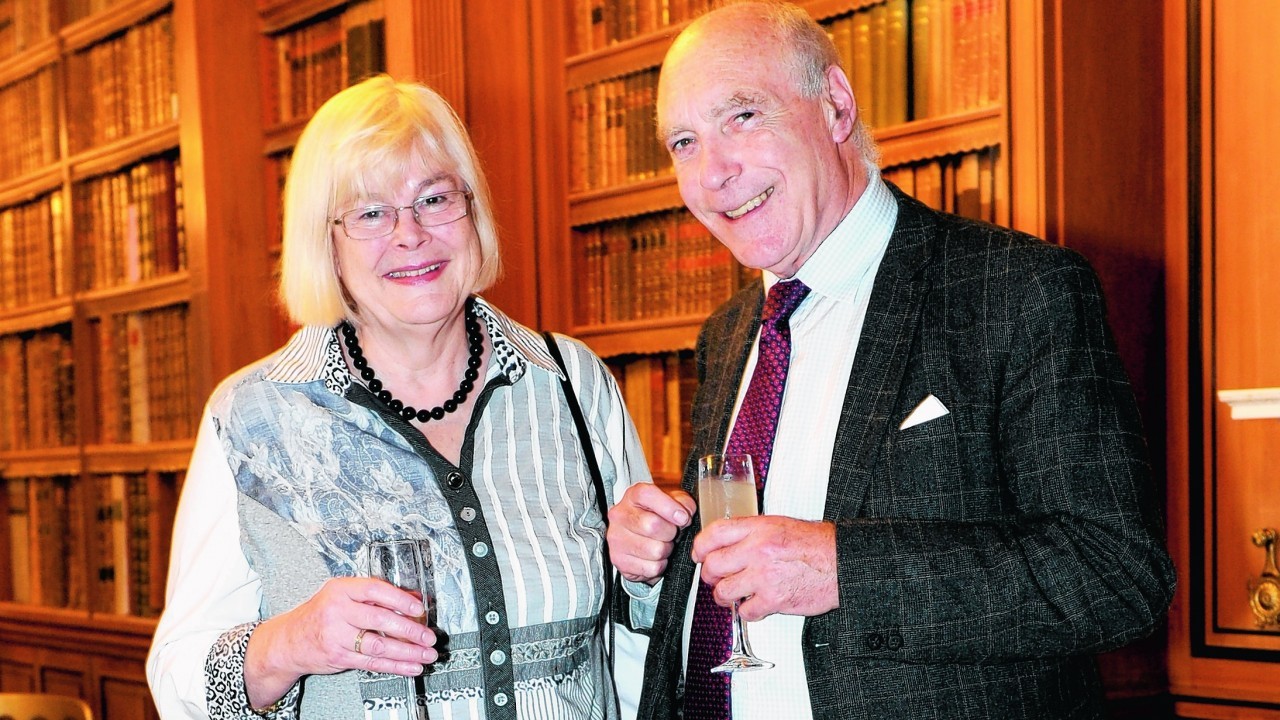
(366, 138)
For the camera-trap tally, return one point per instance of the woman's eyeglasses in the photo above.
(374, 221)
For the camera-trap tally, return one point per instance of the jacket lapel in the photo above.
(893, 317)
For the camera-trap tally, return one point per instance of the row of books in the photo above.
(957, 55)
(314, 61)
(668, 265)
(37, 390)
(23, 23)
(98, 543)
(128, 225)
(916, 59)
(28, 114)
(613, 133)
(873, 47)
(963, 183)
(653, 266)
(42, 536)
(658, 390)
(32, 252)
(600, 23)
(122, 85)
(129, 538)
(143, 392)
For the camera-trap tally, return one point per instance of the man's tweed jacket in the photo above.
(984, 556)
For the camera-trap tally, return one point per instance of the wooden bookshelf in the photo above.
(606, 129)
(197, 103)
(115, 209)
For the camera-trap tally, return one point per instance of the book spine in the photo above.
(20, 539)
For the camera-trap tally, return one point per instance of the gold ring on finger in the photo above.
(360, 640)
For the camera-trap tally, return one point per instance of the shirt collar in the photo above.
(314, 352)
(842, 262)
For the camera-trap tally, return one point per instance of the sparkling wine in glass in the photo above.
(407, 565)
(726, 489)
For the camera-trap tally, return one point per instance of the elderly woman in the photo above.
(405, 407)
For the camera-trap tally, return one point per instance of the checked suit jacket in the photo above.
(983, 556)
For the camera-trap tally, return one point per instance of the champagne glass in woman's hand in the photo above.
(407, 565)
(726, 489)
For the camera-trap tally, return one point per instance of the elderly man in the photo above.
(957, 506)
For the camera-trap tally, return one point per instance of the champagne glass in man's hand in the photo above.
(726, 489)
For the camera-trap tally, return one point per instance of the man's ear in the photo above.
(841, 108)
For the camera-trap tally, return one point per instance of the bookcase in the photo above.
(931, 80)
(146, 144)
(122, 233)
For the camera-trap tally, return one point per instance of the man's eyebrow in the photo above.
(728, 106)
(733, 103)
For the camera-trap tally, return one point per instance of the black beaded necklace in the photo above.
(409, 413)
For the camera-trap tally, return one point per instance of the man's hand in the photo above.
(642, 530)
(778, 564)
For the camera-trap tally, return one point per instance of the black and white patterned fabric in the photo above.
(225, 694)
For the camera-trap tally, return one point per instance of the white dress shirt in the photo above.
(824, 337)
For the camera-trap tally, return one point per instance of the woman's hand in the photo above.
(350, 623)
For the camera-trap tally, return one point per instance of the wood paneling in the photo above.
(127, 698)
(17, 676)
(64, 681)
(1241, 221)
(1222, 298)
(218, 73)
(500, 117)
(1097, 164)
(98, 659)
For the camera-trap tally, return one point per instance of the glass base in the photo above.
(741, 663)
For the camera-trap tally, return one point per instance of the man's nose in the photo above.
(718, 163)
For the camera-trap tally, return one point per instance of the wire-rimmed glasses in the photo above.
(374, 221)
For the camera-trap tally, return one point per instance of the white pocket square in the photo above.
(930, 408)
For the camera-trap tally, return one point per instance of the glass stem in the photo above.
(740, 644)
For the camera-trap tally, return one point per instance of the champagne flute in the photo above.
(407, 565)
(726, 489)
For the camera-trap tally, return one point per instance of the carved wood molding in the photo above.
(1252, 403)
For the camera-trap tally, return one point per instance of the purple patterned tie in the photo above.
(707, 695)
